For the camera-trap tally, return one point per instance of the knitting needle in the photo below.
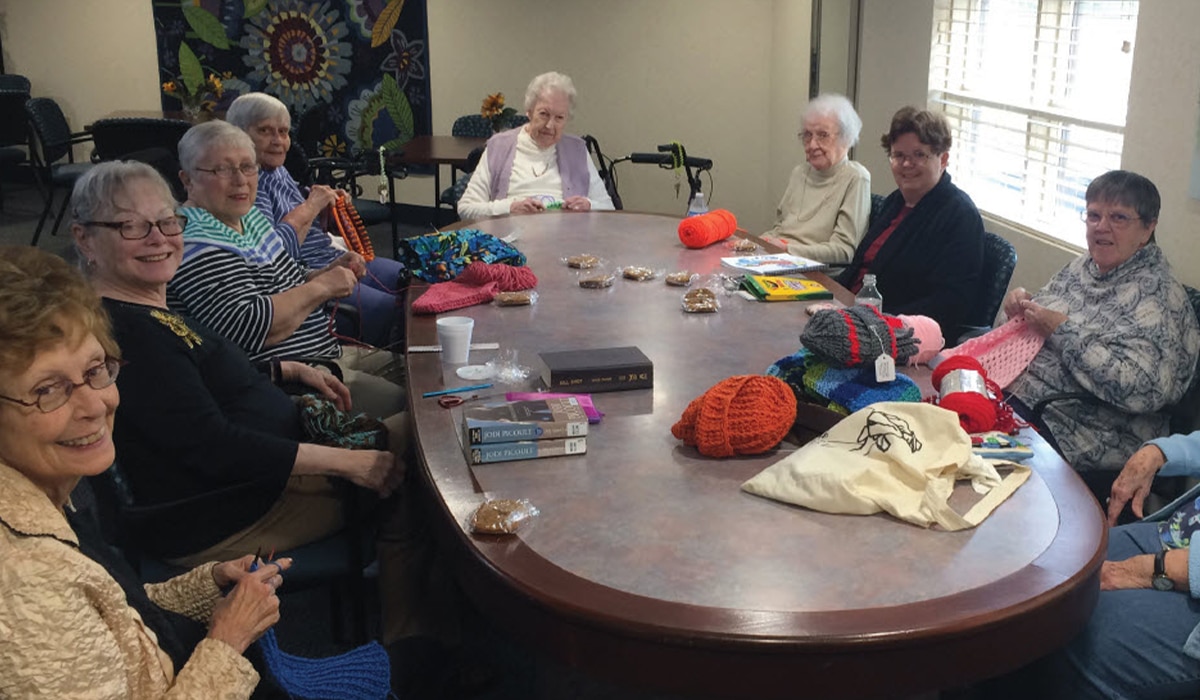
(456, 390)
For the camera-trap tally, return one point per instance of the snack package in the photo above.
(681, 278)
(741, 245)
(640, 273)
(598, 276)
(701, 300)
(501, 516)
(582, 261)
(522, 298)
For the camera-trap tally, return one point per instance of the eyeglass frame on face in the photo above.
(918, 158)
(111, 365)
(1118, 220)
(822, 138)
(126, 227)
(225, 172)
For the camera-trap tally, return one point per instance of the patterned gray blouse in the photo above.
(1130, 340)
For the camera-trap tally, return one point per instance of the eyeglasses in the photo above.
(1117, 220)
(917, 158)
(50, 397)
(821, 137)
(137, 230)
(225, 172)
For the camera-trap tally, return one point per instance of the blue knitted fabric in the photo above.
(842, 390)
(359, 674)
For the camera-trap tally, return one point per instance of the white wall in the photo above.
(1160, 131)
(724, 78)
(92, 56)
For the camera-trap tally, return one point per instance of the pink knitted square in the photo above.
(1004, 352)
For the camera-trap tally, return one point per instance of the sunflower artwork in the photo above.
(353, 73)
(494, 111)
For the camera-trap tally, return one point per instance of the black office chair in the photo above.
(999, 262)
(337, 561)
(53, 141)
(877, 201)
(472, 125)
(116, 138)
(14, 125)
(453, 193)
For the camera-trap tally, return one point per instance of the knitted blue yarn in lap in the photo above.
(359, 674)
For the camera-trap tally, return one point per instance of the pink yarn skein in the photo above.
(929, 338)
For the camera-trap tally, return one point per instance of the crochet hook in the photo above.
(456, 390)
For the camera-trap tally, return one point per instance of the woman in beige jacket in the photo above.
(67, 627)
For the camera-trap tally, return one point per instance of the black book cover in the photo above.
(597, 369)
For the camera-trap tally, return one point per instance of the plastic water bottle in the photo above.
(697, 206)
(869, 294)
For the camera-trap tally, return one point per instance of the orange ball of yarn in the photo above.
(706, 229)
(743, 415)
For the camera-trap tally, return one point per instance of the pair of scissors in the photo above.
(452, 401)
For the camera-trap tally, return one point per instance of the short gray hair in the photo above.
(837, 106)
(546, 83)
(202, 138)
(254, 107)
(95, 194)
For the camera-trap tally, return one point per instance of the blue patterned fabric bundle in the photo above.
(842, 390)
(439, 257)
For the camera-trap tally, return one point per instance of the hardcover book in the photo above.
(527, 449)
(773, 264)
(534, 419)
(779, 288)
(597, 369)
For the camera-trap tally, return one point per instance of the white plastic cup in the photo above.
(454, 335)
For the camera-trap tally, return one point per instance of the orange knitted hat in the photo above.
(744, 415)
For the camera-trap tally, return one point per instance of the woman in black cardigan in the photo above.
(925, 248)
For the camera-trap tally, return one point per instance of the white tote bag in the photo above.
(901, 458)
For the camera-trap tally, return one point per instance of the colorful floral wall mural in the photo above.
(355, 72)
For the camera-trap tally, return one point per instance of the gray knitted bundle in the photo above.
(855, 336)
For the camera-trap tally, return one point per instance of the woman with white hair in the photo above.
(536, 166)
(237, 278)
(824, 212)
(295, 217)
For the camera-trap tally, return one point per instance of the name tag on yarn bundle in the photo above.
(885, 369)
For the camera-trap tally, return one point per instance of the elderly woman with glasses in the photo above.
(824, 211)
(296, 217)
(75, 621)
(925, 247)
(218, 459)
(237, 278)
(536, 166)
(1119, 331)
(214, 452)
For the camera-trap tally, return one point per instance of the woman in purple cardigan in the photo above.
(524, 170)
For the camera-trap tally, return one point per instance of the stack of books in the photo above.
(512, 430)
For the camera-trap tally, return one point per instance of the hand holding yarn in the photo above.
(528, 205)
(1043, 320)
(577, 203)
(1012, 302)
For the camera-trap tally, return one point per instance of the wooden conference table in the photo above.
(649, 566)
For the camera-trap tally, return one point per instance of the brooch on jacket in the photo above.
(178, 327)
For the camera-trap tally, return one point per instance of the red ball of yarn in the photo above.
(706, 229)
(976, 413)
